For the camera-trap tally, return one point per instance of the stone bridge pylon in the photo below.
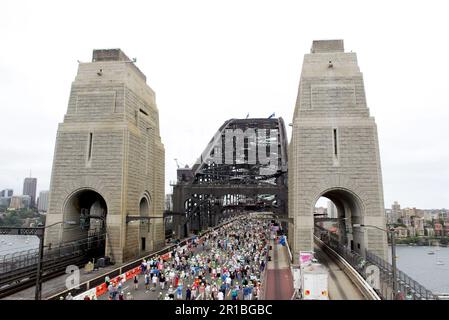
(334, 152)
(109, 160)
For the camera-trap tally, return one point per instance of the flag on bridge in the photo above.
(272, 115)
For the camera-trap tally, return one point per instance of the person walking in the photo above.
(207, 291)
(136, 282)
(194, 291)
(250, 292)
(179, 292)
(202, 292)
(228, 282)
(256, 292)
(162, 281)
(235, 294)
(114, 292)
(120, 288)
(188, 293)
(143, 267)
(111, 291)
(154, 281)
(171, 293)
(245, 292)
(147, 282)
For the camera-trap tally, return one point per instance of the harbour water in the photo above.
(13, 243)
(422, 267)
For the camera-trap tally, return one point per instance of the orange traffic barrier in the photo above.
(101, 289)
(166, 256)
(131, 273)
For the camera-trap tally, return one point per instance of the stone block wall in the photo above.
(334, 150)
(110, 143)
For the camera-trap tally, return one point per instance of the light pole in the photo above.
(389, 232)
(41, 233)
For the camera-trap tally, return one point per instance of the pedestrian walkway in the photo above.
(225, 264)
(279, 279)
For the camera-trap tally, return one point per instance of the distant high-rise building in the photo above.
(418, 223)
(5, 201)
(389, 215)
(6, 193)
(20, 202)
(29, 188)
(331, 210)
(43, 201)
(395, 212)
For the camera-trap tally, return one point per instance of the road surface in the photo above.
(340, 286)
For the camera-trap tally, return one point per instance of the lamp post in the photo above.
(390, 233)
(40, 232)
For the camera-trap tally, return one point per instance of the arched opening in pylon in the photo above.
(144, 230)
(84, 220)
(336, 211)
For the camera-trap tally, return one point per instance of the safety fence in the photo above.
(19, 270)
(25, 259)
(377, 272)
(20, 259)
(408, 288)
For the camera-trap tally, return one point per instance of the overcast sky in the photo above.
(209, 61)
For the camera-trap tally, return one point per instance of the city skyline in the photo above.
(251, 68)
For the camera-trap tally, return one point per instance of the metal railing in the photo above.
(24, 259)
(20, 259)
(408, 289)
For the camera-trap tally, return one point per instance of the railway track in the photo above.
(24, 278)
(18, 274)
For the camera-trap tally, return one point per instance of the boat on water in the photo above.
(431, 251)
(439, 261)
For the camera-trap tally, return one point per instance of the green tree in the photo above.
(12, 220)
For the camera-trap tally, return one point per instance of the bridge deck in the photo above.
(57, 284)
(279, 279)
(340, 285)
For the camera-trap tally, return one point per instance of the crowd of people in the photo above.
(226, 263)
